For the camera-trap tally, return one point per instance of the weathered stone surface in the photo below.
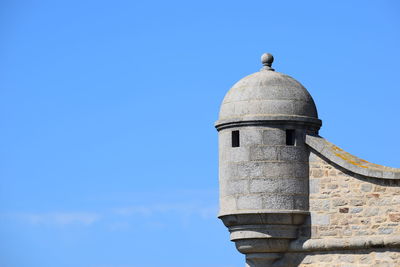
(282, 186)
(280, 169)
(265, 169)
(350, 162)
(264, 94)
(394, 217)
(363, 258)
(249, 202)
(274, 137)
(320, 219)
(314, 186)
(355, 205)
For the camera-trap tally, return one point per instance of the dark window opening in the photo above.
(235, 139)
(290, 137)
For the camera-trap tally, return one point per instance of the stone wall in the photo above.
(361, 258)
(291, 198)
(349, 211)
(344, 205)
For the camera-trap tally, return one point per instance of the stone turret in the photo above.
(291, 198)
(263, 162)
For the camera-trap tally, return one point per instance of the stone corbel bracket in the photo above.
(263, 237)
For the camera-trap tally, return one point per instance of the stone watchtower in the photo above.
(268, 143)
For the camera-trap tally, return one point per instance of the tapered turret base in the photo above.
(263, 237)
(261, 259)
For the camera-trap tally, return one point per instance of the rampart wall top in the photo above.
(350, 162)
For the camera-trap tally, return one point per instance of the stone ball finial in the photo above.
(266, 60)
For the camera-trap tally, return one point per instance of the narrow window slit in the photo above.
(290, 137)
(235, 139)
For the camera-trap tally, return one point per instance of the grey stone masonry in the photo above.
(261, 176)
(264, 162)
(291, 198)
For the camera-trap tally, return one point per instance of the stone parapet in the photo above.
(350, 162)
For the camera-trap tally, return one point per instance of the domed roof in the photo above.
(268, 95)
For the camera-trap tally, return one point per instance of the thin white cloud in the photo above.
(208, 212)
(129, 196)
(119, 226)
(59, 218)
(204, 211)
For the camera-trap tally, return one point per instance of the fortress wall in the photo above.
(348, 211)
(346, 205)
(291, 198)
(361, 258)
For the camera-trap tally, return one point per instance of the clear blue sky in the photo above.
(107, 147)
